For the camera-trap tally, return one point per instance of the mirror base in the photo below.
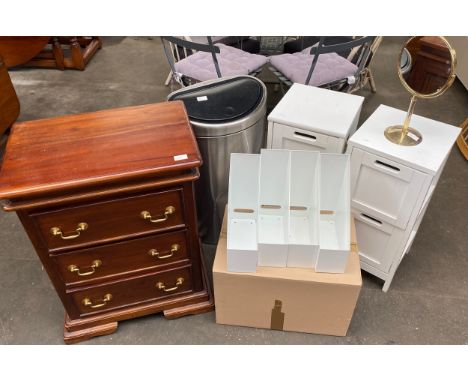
(395, 135)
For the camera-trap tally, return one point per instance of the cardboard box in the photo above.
(291, 299)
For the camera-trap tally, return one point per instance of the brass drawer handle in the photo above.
(164, 255)
(147, 216)
(56, 231)
(95, 264)
(160, 285)
(87, 302)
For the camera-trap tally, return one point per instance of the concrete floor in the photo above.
(427, 302)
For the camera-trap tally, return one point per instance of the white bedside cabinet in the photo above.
(311, 118)
(391, 186)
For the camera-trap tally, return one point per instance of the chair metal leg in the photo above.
(169, 78)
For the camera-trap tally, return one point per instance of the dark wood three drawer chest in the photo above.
(107, 199)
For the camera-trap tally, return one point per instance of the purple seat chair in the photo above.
(322, 65)
(209, 61)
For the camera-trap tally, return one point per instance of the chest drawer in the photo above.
(292, 138)
(135, 291)
(91, 223)
(387, 190)
(88, 265)
(378, 241)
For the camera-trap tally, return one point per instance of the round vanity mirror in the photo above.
(426, 67)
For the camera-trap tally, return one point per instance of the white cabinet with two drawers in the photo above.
(391, 186)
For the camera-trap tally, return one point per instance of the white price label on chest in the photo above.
(180, 157)
(202, 98)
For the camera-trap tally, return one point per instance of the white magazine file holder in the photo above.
(242, 244)
(289, 208)
(304, 209)
(334, 213)
(273, 212)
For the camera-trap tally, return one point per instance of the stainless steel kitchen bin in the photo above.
(228, 115)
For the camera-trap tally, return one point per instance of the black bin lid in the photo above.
(222, 101)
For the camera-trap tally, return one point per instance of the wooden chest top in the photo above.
(92, 149)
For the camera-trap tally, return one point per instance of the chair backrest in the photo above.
(188, 45)
(180, 52)
(361, 47)
(9, 104)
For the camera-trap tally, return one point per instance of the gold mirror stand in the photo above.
(405, 135)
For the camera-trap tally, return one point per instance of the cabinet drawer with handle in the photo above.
(378, 241)
(91, 264)
(292, 138)
(138, 290)
(383, 188)
(92, 223)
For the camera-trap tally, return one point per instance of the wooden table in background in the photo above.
(19, 50)
(49, 52)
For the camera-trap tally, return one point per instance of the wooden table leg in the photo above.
(76, 54)
(58, 53)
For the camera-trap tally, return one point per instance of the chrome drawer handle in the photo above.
(160, 285)
(166, 254)
(88, 303)
(147, 216)
(95, 264)
(56, 231)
